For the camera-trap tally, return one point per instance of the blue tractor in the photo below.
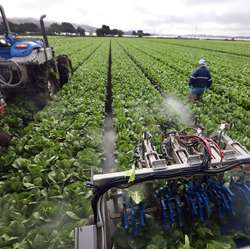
(28, 67)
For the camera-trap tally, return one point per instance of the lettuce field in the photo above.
(44, 171)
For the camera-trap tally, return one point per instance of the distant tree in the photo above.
(67, 27)
(21, 28)
(80, 31)
(106, 29)
(99, 32)
(64, 27)
(116, 32)
(14, 27)
(140, 33)
(28, 27)
(134, 32)
(54, 28)
(103, 31)
(120, 33)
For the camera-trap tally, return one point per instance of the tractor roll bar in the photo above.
(5, 21)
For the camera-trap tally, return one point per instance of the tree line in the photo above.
(140, 33)
(65, 28)
(106, 31)
(21, 28)
(54, 28)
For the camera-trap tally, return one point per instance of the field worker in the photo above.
(200, 81)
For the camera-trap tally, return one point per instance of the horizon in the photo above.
(126, 31)
(183, 17)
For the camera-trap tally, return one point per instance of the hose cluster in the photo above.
(10, 81)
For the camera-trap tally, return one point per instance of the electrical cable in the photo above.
(201, 139)
(100, 220)
(3, 80)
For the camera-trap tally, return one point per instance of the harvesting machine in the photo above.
(195, 178)
(28, 66)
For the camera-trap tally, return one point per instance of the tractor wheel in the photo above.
(5, 139)
(65, 68)
(53, 85)
(46, 86)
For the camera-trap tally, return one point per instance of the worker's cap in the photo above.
(202, 61)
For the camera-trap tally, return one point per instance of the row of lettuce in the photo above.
(230, 47)
(43, 173)
(166, 68)
(136, 105)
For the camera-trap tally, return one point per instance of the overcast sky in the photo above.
(229, 17)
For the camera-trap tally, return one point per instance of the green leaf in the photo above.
(186, 245)
(136, 196)
(26, 183)
(72, 215)
(131, 174)
(38, 241)
(213, 244)
(52, 175)
(8, 238)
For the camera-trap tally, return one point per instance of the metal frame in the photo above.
(165, 171)
(38, 56)
(152, 166)
(235, 153)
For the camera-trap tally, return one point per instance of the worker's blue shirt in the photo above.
(200, 78)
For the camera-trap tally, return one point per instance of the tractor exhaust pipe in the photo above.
(44, 31)
(5, 21)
